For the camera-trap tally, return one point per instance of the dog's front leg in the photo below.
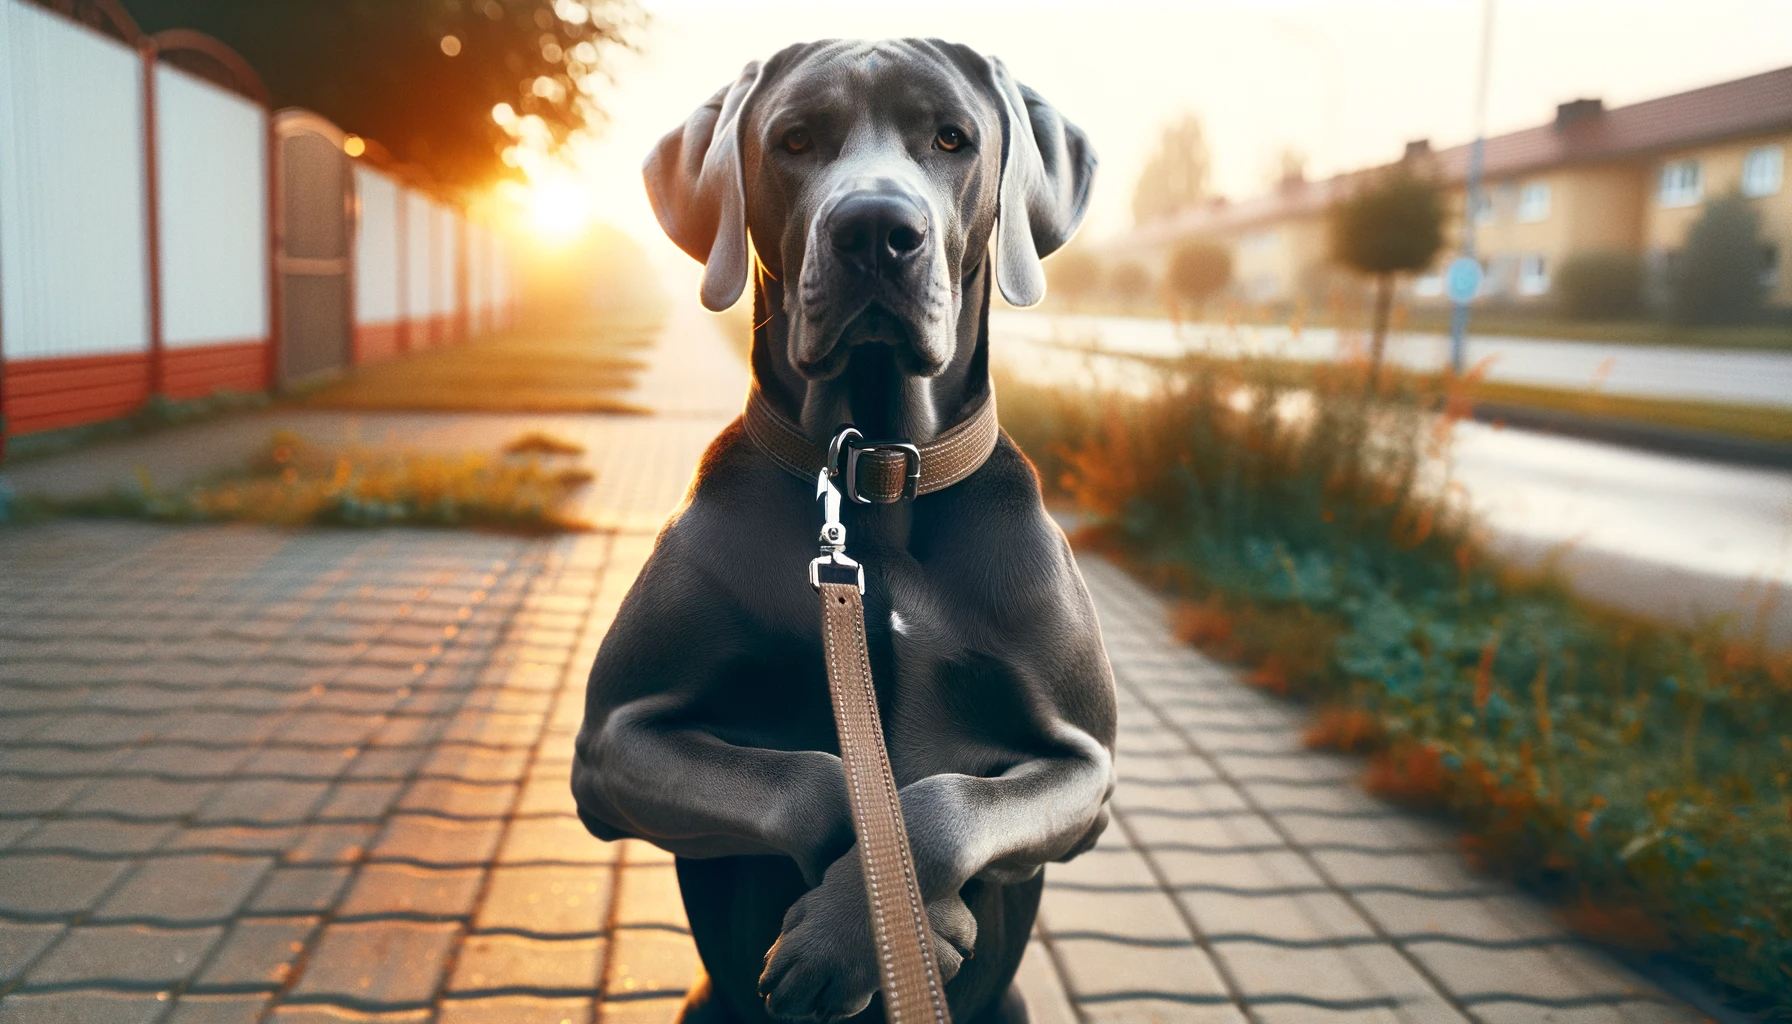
(1003, 829)
(646, 773)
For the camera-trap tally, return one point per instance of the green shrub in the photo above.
(1638, 769)
(1716, 277)
(1601, 285)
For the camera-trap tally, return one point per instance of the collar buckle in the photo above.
(911, 477)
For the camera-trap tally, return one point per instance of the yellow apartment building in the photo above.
(1631, 179)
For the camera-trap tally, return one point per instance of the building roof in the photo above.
(1583, 133)
(1746, 106)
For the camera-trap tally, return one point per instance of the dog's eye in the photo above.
(796, 140)
(950, 139)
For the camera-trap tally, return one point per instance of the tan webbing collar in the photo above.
(882, 473)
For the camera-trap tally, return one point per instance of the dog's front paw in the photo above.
(824, 965)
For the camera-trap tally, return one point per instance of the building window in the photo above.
(1761, 170)
(1533, 203)
(1482, 203)
(1533, 275)
(1682, 183)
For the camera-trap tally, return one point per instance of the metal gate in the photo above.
(312, 263)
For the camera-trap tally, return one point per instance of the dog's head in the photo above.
(871, 178)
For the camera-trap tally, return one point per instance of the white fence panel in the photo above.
(477, 247)
(442, 284)
(417, 258)
(376, 248)
(74, 263)
(211, 153)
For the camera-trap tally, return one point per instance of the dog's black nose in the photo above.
(873, 228)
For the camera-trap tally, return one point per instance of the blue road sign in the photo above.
(1462, 280)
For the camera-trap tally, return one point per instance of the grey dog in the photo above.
(873, 180)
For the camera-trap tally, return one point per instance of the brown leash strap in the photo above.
(907, 970)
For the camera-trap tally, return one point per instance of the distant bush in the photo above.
(1716, 276)
(1198, 269)
(1601, 285)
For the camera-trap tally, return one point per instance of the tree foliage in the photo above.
(384, 69)
(1716, 277)
(1392, 224)
(1175, 178)
(1198, 269)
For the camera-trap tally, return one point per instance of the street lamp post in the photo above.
(1465, 272)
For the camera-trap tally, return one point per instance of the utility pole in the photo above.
(1464, 277)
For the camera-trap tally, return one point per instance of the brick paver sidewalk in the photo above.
(249, 776)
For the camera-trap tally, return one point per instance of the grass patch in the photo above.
(540, 442)
(582, 367)
(158, 413)
(1635, 772)
(294, 483)
(1752, 421)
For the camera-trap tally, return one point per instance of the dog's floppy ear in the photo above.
(1047, 168)
(696, 185)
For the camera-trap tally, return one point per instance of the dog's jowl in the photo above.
(885, 189)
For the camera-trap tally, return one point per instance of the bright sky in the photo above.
(1346, 82)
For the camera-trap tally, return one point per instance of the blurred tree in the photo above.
(1717, 275)
(1129, 282)
(1601, 285)
(1198, 269)
(423, 77)
(1074, 274)
(1392, 224)
(1175, 178)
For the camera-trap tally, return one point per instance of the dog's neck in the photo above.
(872, 393)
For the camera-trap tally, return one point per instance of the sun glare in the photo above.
(557, 207)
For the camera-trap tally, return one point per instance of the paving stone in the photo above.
(225, 1009)
(648, 894)
(651, 960)
(143, 799)
(518, 1010)
(20, 944)
(334, 1015)
(1617, 1013)
(1205, 830)
(492, 962)
(81, 1008)
(1554, 972)
(547, 793)
(123, 955)
(400, 889)
(546, 901)
(639, 1011)
(477, 764)
(1146, 916)
(1385, 833)
(300, 890)
(1352, 974)
(1492, 919)
(185, 890)
(98, 836)
(187, 762)
(1295, 917)
(432, 840)
(257, 954)
(53, 886)
(394, 964)
(264, 801)
(1306, 1013)
(458, 799)
(13, 829)
(560, 837)
(22, 796)
(1038, 981)
(1268, 871)
(1160, 1011)
(332, 843)
(1101, 967)
(386, 763)
(1442, 875)
(358, 801)
(245, 840)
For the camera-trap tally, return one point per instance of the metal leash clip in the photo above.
(833, 565)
